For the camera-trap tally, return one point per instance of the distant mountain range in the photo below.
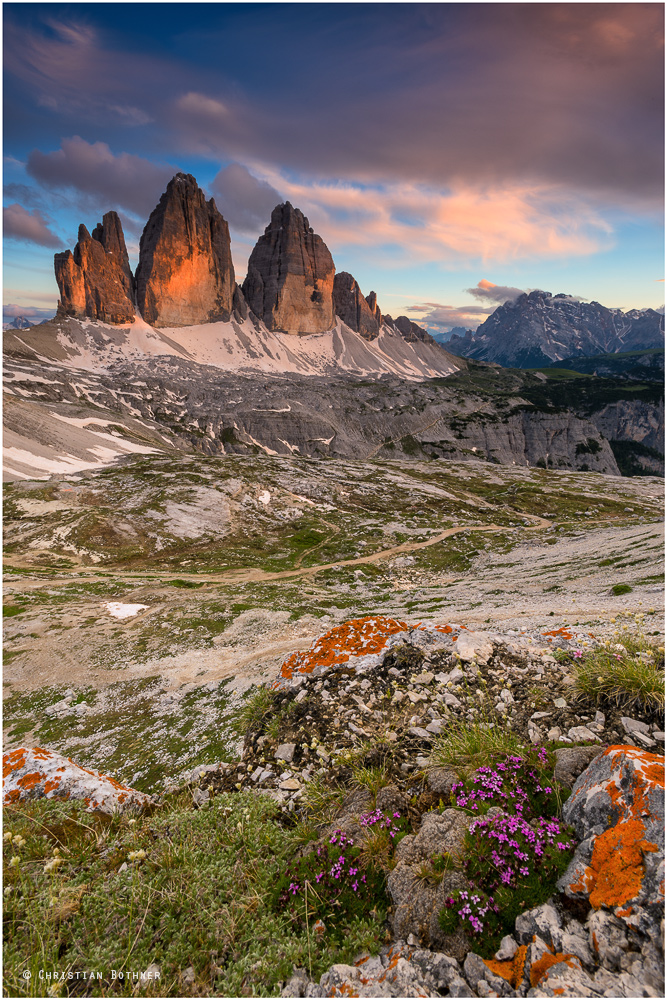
(540, 328)
(19, 323)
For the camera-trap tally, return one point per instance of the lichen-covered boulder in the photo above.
(362, 643)
(37, 773)
(617, 810)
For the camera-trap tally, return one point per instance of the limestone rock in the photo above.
(290, 277)
(571, 761)
(39, 773)
(185, 274)
(353, 308)
(96, 281)
(617, 810)
(417, 902)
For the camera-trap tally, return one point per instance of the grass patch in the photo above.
(199, 894)
(621, 588)
(473, 744)
(629, 673)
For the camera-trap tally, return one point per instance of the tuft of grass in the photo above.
(257, 706)
(322, 801)
(621, 588)
(629, 673)
(372, 778)
(470, 745)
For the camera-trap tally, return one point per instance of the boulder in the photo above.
(571, 761)
(95, 281)
(417, 901)
(617, 810)
(38, 773)
(353, 308)
(185, 275)
(289, 284)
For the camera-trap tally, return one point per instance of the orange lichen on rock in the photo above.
(359, 637)
(562, 632)
(539, 969)
(617, 865)
(510, 970)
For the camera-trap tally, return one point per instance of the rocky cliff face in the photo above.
(185, 274)
(96, 281)
(353, 308)
(372, 301)
(290, 277)
(540, 328)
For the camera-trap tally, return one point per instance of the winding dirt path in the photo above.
(259, 575)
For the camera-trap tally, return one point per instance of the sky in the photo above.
(450, 155)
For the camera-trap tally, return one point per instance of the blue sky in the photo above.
(434, 147)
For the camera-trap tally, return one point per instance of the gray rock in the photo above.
(634, 725)
(418, 903)
(582, 734)
(542, 920)
(508, 949)
(441, 780)
(200, 797)
(570, 762)
(459, 988)
(477, 972)
(621, 786)
(285, 752)
(419, 733)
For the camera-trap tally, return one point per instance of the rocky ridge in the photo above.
(290, 279)
(96, 281)
(539, 328)
(354, 310)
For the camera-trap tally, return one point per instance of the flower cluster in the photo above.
(516, 785)
(474, 908)
(507, 850)
(330, 883)
(377, 818)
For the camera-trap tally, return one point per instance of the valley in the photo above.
(237, 561)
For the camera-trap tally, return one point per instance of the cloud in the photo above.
(399, 223)
(437, 316)
(122, 179)
(245, 201)
(20, 224)
(10, 311)
(486, 291)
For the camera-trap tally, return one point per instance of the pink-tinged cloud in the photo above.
(486, 291)
(122, 179)
(20, 224)
(35, 313)
(459, 226)
(437, 316)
